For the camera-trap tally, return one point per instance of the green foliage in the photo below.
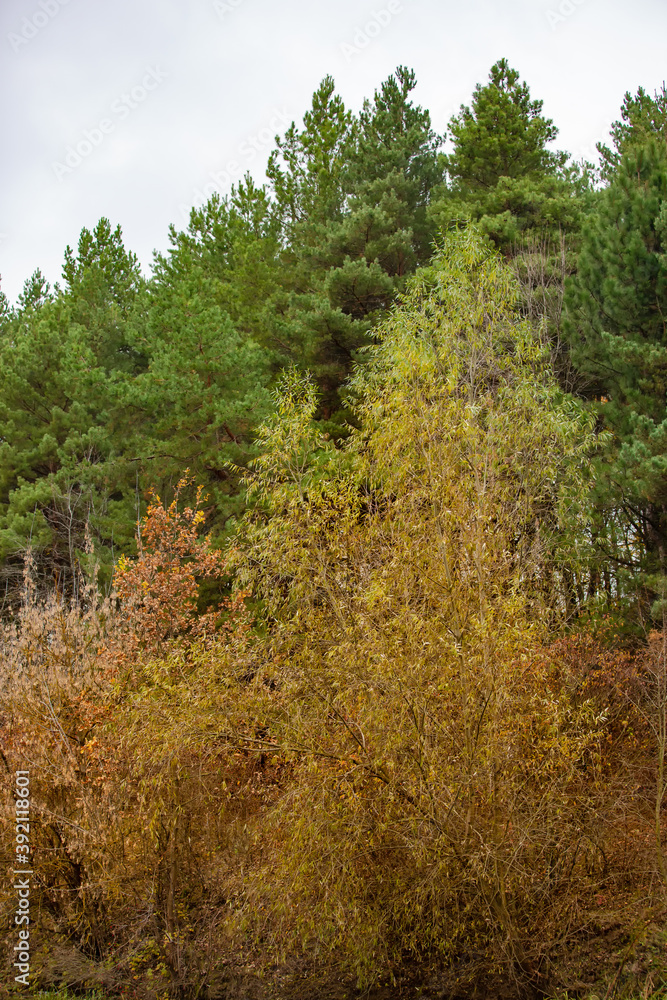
(202, 392)
(103, 270)
(522, 196)
(35, 292)
(234, 241)
(518, 211)
(64, 360)
(615, 325)
(144, 379)
(308, 184)
(425, 359)
(642, 118)
(109, 387)
(503, 134)
(395, 151)
(352, 194)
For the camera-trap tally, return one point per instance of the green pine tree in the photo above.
(642, 117)
(616, 309)
(307, 169)
(203, 392)
(526, 199)
(355, 192)
(234, 240)
(501, 173)
(502, 134)
(65, 358)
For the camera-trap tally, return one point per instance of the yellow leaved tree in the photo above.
(412, 580)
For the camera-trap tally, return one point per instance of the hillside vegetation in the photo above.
(334, 636)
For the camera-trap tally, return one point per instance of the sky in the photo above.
(139, 109)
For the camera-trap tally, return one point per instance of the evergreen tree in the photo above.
(501, 173)
(64, 361)
(367, 228)
(526, 200)
(502, 134)
(615, 322)
(36, 291)
(5, 312)
(642, 117)
(307, 170)
(103, 282)
(394, 165)
(102, 270)
(203, 391)
(308, 173)
(233, 240)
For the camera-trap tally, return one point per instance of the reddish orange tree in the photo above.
(159, 590)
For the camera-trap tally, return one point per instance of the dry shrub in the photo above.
(628, 687)
(54, 704)
(650, 701)
(136, 783)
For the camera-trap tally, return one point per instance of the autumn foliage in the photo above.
(86, 708)
(158, 592)
(412, 755)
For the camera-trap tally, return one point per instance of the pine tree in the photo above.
(308, 173)
(615, 322)
(500, 172)
(203, 391)
(502, 134)
(526, 199)
(394, 165)
(103, 282)
(307, 169)
(356, 196)
(64, 360)
(36, 291)
(234, 240)
(642, 117)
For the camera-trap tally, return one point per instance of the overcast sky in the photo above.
(130, 108)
